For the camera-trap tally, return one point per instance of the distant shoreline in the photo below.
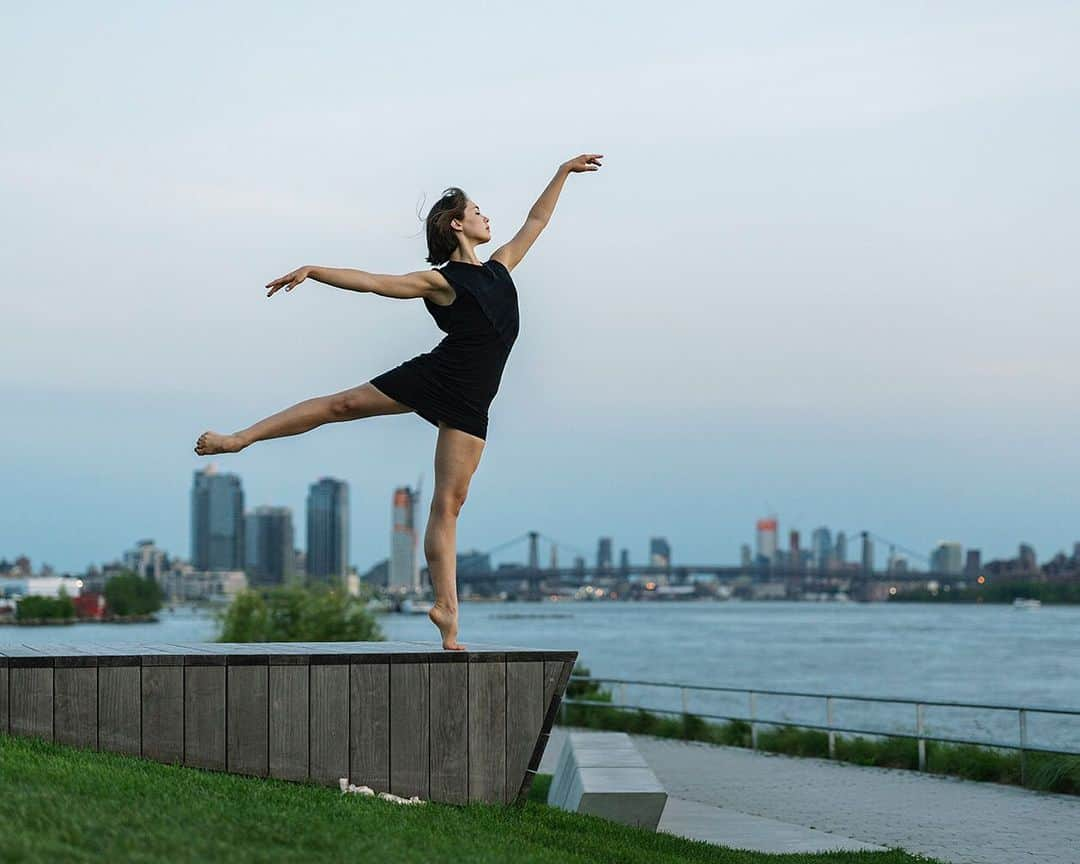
(63, 622)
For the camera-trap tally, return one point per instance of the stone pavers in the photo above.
(947, 818)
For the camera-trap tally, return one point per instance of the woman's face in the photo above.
(475, 225)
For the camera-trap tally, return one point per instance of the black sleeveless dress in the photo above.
(456, 381)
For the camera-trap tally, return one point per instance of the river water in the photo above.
(966, 653)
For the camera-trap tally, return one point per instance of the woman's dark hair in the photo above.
(441, 238)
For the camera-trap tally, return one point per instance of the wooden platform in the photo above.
(402, 717)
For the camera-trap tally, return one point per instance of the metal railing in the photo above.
(1023, 744)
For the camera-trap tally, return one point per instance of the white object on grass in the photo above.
(347, 787)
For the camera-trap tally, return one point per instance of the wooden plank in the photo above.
(119, 709)
(329, 722)
(289, 728)
(450, 732)
(31, 701)
(204, 716)
(487, 731)
(525, 710)
(247, 724)
(163, 713)
(76, 716)
(409, 729)
(369, 725)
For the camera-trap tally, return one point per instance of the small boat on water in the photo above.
(1026, 603)
(409, 606)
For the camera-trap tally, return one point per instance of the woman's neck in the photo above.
(466, 257)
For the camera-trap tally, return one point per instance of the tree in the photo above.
(128, 593)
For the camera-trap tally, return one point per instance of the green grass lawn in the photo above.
(60, 804)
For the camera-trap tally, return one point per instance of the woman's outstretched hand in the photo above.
(584, 162)
(289, 280)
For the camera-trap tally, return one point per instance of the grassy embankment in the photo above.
(1048, 772)
(67, 804)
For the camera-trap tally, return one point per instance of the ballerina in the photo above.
(452, 386)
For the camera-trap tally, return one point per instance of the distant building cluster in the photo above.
(829, 554)
(232, 548)
(659, 555)
(260, 542)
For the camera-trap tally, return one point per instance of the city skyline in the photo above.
(220, 526)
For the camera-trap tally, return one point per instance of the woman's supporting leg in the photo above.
(351, 404)
(457, 455)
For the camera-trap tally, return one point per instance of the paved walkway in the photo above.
(774, 803)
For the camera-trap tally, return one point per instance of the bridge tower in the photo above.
(534, 552)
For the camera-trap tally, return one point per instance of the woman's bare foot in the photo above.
(445, 619)
(210, 443)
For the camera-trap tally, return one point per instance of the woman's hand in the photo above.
(289, 280)
(584, 162)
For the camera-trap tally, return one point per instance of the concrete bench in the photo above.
(603, 774)
(401, 717)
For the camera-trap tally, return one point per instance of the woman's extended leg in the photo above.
(352, 404)
(457, 454)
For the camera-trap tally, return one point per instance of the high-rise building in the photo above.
(269, 557)
(973, 564)
(603, 554)
(867, 553)
(659, 552)
(327, 530)
(217, 521)
(146, 560)
(745, 558)
(1028, 562)
(794, 556)
(947, 557)
(404, 562)
(624, 559)
(840, 549)
(821, 548)
(767, 539)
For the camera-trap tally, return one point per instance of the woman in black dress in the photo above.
(451, 386)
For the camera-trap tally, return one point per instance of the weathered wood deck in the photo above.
(402, 717)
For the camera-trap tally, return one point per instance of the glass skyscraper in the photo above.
(217, 521)
(269, 557)
(328, 529)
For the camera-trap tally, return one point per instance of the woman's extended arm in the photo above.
(406, 287)
(540, 214)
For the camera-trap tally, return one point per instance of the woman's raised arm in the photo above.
(510, 253)
(421, 283)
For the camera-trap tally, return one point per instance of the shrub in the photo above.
(129, 593)
(293, 614)
(33, 607)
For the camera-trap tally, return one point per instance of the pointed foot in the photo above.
(210, 443)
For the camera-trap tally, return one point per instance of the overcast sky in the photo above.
(828, 268)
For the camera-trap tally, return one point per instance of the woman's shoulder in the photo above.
(500, 269)
(447, 289)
